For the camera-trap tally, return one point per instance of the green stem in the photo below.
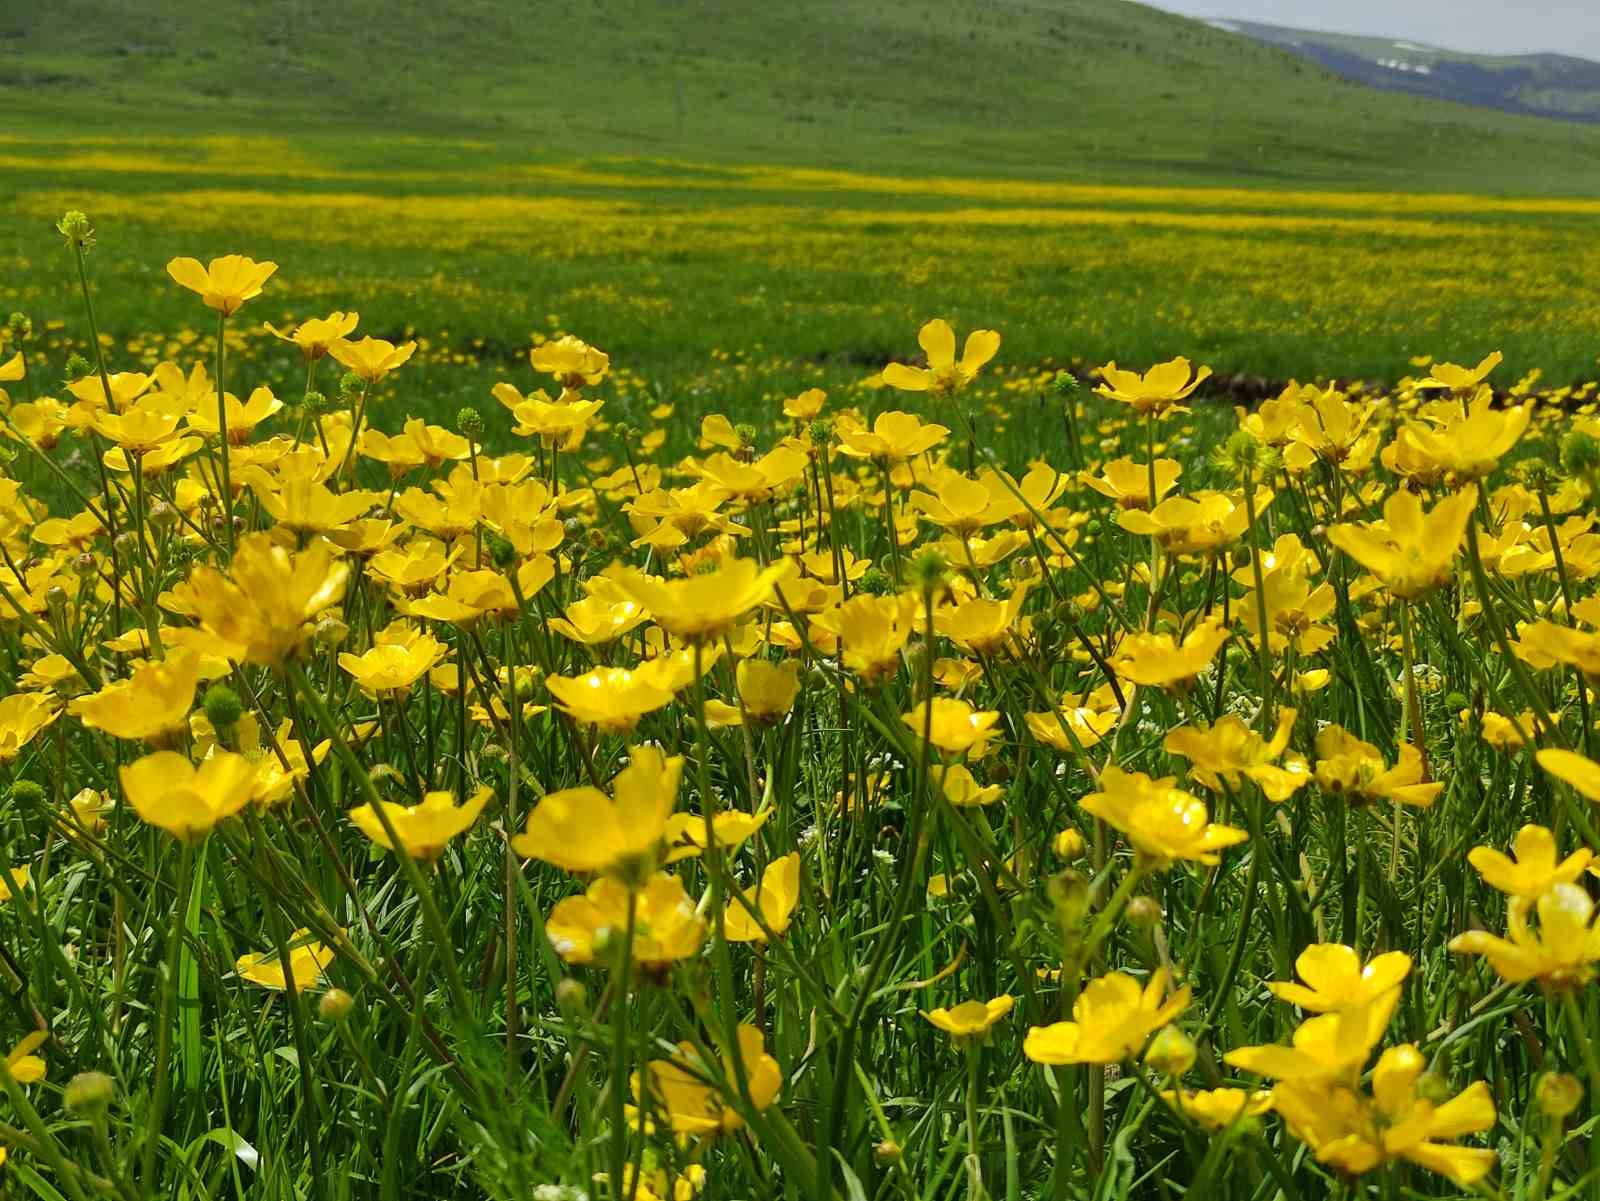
(169, 995)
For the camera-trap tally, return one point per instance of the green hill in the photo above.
(1075, 89)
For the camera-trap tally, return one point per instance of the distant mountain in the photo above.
(1544, 85)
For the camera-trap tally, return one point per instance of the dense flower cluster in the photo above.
(1211, 806)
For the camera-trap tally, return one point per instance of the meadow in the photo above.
(827, 751)
(731, 286)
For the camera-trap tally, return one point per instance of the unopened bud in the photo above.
(89, 1092)
(335, 1005)
(470, 422)
(1143, 912)
(223, 708)
(1069, 844)
(332, 632)
(1172, 1053)
(75, 228)
(1558, 1095)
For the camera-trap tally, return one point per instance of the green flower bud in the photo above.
(89, 1092)
(331, 632)
(19, 326)
(77, 367)
(75, 228)
(928, 571)
(1172, 1053)
(1064, 383)
(222, 707)
(1143, 912)
(1580, 452)
(335, 1005)
(874, 582)
(470, 423)
(319, 402)
(27, 792)
(1558, 1095)
(351, 384)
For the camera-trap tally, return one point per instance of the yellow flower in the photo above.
(1112, 1019)
(469, 598)
(666, 926)
(571, 360)
(767, 690)
(1160, 660)
(598, 618)
(1329, 1048)
(1470, 445)
(612, 698)
(682, 1087)
(774, 900)
(22, 715)
(371, 358)
(872, 631)
(895, 436)
(226, 283)
(424, 829)
(804, 406)
(26, 1067)
(1354, 1134)
(307, 958)
(583, 830)
(1572, 768)
(953, 726)
(391, 667)
(703, 607)
(1090, 718)
(1334, 978)
(1230, 750)
(1348, 766)
(1202, 524)
(1410, 551)
(315, 335)
(1158, 390)
(944, 375)
(970, 1019)
(1535, 869)
(168, 791)
(1162, 821)
(13, 884)
(1462, 379)
(962, 790)
(259, 612)
(1216, 1109)
(152, 703)
(1560, 952)
(1128, 482)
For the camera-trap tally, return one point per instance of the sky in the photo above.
(1479, 26)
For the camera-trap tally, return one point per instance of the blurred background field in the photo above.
(748, 199)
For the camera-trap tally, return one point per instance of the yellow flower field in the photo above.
(472, 764)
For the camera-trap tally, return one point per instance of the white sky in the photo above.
(1480, 26)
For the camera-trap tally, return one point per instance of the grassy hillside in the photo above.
(1552, 85)
(1039, 88)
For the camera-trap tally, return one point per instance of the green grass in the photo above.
(1084, 89)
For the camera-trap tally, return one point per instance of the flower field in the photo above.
(472, 764)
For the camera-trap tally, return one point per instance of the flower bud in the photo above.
(77, 367)
(19, 326)
(319, 402)
(1172, 1053)
(335, 1005)
(1143, 912)
(571, 998)
(162, 516)
(350, 385)
(928, 571)
(26, 793)
(75, 228)
(331, 632)
(223, 708)
(1558, 1095)
(1064, 383)
(84, 564)
(470, 423)
(1580, 452)
(1069, 844)
(888, 1151)
(89, 1092)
